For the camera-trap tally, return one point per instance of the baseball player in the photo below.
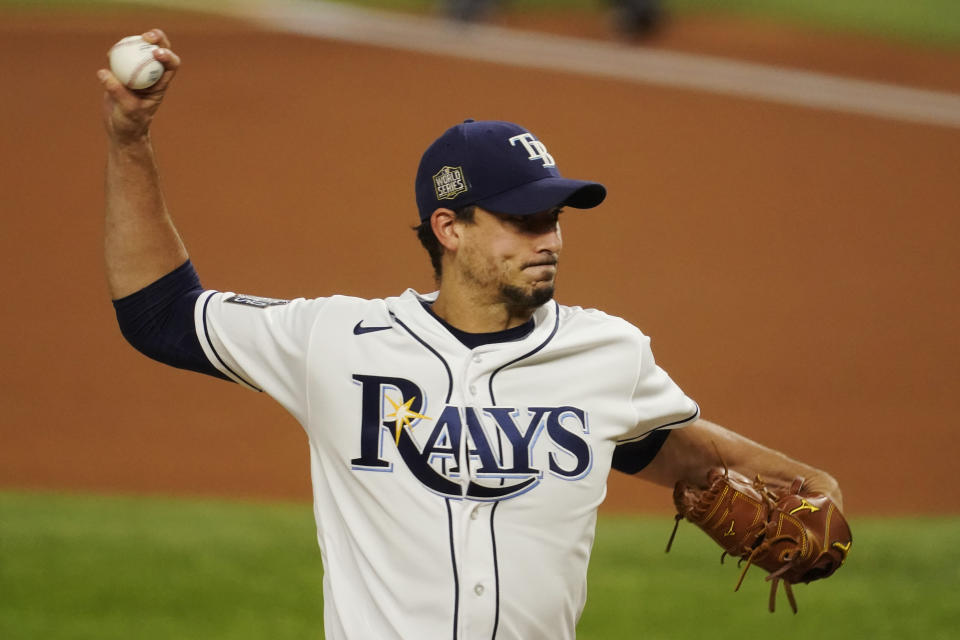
(635, 18)
(460, 440)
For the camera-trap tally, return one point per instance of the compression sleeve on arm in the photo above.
(632, 457)
(158, 321)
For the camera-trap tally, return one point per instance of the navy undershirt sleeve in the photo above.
(158, 321)
(632, 457)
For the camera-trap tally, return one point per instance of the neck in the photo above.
(476, 313)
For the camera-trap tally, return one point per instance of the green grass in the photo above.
(96, 567)
(899, 583)
(111, 567)
(929, 22)
(932, 22)
(926, 22)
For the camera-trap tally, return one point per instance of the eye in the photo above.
(537, 223)
(519, 222)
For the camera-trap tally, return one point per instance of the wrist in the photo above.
(130, 143)
(826, 484)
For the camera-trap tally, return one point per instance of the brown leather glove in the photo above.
(796, 535)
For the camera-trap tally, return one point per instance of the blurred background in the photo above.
(784, 185)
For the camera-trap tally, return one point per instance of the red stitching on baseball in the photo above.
(140, 67)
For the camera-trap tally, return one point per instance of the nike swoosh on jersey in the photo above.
(359, 329)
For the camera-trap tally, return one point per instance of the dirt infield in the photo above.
(797, 269)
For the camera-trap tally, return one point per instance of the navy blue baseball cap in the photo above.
(499, 166)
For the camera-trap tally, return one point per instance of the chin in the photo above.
(528, 297)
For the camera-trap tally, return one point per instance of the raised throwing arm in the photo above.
(141, 243)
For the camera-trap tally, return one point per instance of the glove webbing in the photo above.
(760, 545)
(773, 577)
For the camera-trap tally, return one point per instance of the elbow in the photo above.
(143, 343)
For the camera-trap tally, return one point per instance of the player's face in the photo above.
(512, 259)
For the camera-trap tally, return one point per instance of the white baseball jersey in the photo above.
(455, 490)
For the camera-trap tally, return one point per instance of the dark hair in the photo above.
(432, 245)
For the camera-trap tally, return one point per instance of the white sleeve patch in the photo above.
(255, 301)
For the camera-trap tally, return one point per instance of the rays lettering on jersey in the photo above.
(501, 441)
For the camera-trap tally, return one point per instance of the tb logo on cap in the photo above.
(536, 149)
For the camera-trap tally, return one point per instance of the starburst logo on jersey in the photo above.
(506, 450)
(402, 415)
(449, 183)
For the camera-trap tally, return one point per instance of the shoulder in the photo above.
(600, 334)
(240, 301)
(574, 318)
(295, 314)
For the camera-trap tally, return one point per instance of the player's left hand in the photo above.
(127, 114)
(795, 533)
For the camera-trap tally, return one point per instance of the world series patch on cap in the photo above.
(448, 183)
(499, 166)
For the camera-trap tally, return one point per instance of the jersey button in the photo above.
(478, 589)
(473, 389)
(475, 513)
(477, 359)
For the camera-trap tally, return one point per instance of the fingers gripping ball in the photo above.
(132, 61)
(794, 534)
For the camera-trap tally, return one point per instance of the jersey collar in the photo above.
(409, 309)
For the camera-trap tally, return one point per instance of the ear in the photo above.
(443, 222)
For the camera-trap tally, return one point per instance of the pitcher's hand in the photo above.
(127, 114)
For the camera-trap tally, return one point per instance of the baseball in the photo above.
(132, 61)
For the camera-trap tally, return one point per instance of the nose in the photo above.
(550, 239)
